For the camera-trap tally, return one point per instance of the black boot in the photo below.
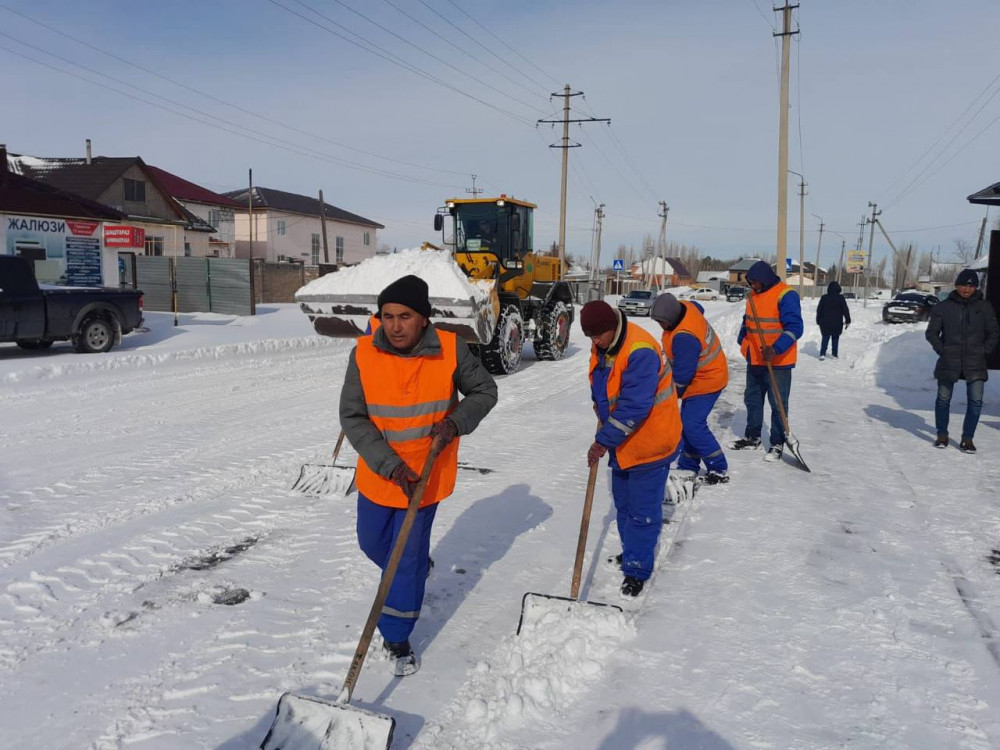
(632, 586)
(404, 661)
(746, 443)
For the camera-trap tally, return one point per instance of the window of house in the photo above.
(214, 217)
(281, 227)
(154, 245)
(368, 239)
(187, 249)
(135, 190)
(340, 250)
(315, 250)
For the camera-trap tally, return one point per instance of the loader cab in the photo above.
(503, 227)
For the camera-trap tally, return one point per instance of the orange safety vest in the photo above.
(406, 396)
(659, 435)
(712, 374)
(767, 323)
(374, 324)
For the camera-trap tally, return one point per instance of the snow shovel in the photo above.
(325, 479)
(790, 440)
(533, 605)
(303, 722)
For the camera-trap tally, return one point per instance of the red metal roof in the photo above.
(183, 190)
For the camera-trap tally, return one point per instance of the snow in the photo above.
(161, 586)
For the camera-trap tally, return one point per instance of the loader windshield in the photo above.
(487, 227)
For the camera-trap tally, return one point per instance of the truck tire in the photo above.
(502, 355)
(96, 335)
(34, 344)
(553, 326)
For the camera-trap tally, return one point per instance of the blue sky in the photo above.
(691, 88)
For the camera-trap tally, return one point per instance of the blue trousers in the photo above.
(829, 338)
(942, 406)
(638, 493)
(378, 529)
(697, 441)
(759, 384)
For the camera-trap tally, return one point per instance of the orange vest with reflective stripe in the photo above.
(658, 436)
(712, 374)
(767, 323)
(406, 396)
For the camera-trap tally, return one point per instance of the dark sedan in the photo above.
(909, 307)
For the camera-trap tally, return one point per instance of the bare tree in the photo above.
(964, 251)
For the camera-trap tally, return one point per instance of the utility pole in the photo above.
(595, 257)
(786, 38)
(802, 227)
(871, 241)
(661, 250)
(250, 202)
(861, 238)
(322, 224)
(474, 191)
(982, 233)
(840, 265)
(566, 146)
(816, 266)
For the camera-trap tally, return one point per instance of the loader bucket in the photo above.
(303, 722)
(538, 609)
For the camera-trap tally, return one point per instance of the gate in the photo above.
(222, 285)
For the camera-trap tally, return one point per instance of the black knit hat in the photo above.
(968, 277)
(597, 317)
(410, 291)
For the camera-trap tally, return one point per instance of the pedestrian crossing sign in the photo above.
(619, 264)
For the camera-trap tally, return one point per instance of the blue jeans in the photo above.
(378, 529)
(974, 395)
(759, 384)
(697, 441)
(833, 338)
(638, 493)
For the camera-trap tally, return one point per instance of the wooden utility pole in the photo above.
(566, 146)
(322, 224)
(982, 234)
(816, 266)
(786, 38)
(871, 241)
(802, 228)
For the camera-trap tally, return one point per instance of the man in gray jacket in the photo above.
(400, 393)
(963, 330)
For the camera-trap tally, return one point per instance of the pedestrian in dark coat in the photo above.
(963, 329)
(832, 316)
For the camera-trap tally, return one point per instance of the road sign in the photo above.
(618, 265)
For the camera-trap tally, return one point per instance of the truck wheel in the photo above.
(553, 331)
(34, 344)
(96, 335)
(503, 354)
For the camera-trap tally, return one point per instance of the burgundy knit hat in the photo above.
(597, 317)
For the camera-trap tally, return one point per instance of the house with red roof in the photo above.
(213, 209)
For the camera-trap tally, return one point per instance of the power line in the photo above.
(762, 15)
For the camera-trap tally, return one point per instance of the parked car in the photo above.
(702, 293)
(636, 302)
(736, 293)
(94, 319)
(849, 295)
(909, 307)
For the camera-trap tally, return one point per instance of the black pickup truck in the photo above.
(94, 319)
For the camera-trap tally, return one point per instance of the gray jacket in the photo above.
(962, 332)
(471, 380)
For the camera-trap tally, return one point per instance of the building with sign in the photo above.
(59, 232)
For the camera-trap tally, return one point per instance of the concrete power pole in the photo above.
(816, 266)
(322, 225)
(474, 191)
(840, 265)
(802, 227)
(595, 256)
(785, 34)
(566, 146)
(661, 250)
(871, 241)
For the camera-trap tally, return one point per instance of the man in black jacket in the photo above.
(963, 330)
(832, 316)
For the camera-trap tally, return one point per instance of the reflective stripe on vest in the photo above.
(659, 434)
(712, 372)
(406, 397)
(767, 324)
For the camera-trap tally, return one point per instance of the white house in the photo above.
(287, 226)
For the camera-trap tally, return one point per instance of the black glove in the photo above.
(445, 431)
(407, 480)
(595, 453)
(767, 353)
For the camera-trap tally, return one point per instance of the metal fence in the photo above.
(222, 285)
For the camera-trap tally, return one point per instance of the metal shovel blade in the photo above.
(793, 447)
(324, 479)
(535, 608)
(303, 722)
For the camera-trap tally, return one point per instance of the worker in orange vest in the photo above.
(772, 326)
(401, 391)
(695, 354)
(640, 425)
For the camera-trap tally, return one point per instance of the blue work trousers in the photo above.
(829, 338)
(942, 406)
(697, 441)
(378, 529)
(759, 384)
(638, 493)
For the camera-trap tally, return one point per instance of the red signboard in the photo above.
(120, 236)
(84, 228)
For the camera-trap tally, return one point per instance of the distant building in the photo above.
(661, 272)
(215, 210)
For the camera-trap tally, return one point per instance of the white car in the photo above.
(702, 293)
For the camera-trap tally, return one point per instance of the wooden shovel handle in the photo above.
(581, 544)
(340, 442)
(390, 572)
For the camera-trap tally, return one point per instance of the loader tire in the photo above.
(553, 331)
(502, 355)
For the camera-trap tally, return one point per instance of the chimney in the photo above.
(88, 151)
